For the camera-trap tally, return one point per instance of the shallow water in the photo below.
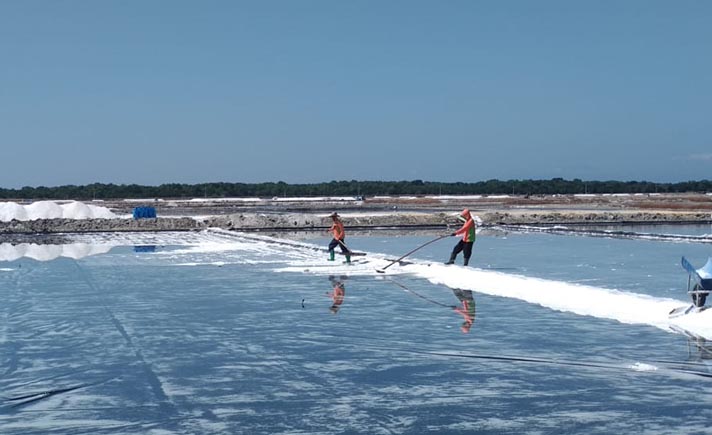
(691, 230)
(220, 333)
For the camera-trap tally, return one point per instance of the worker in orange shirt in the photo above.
(337, 230)
(467, 231)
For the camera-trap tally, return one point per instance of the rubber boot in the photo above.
(348, 258)
(467, 260)
(452, 259)
(331, 255)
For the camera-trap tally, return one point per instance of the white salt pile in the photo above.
(11, 210)
(52, 210)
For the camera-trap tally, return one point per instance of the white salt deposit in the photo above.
(12, 210)
(77, 209)
(43, 210)
(98, 212)
(52, 210)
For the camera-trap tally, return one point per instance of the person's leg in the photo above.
(332, 246)
(345, 250)
(456, 250)
(467, 252)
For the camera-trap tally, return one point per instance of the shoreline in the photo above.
(308, 222)
(382, 214)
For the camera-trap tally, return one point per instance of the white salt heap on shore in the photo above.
(52, 210)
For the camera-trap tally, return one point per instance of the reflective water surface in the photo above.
(214, 333)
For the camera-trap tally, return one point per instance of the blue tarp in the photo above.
(144, 213)
(145, 248)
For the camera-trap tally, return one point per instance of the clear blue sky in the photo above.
(152, 92)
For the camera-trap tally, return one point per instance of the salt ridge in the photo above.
(51, 210)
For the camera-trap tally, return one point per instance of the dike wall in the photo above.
(308, 221)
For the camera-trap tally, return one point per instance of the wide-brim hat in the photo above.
(334, 215)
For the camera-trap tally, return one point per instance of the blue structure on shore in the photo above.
(699, 281)
(145, 248)
(144, 213)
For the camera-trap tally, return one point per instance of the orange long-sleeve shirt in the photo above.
(337, 229)
(468, 228)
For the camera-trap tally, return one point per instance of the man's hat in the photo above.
(334, 214)
(464, 215)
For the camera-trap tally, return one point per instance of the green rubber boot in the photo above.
(348, 258)
(331, 255)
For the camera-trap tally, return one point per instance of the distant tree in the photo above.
(348, 188)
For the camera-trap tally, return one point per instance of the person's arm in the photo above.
(466, 226)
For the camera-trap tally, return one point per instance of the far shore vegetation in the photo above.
(351, 188)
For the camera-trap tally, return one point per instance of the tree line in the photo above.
(350, 188)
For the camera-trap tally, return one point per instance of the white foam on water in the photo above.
(642, 367)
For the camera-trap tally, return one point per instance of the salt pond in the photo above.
(217, 332)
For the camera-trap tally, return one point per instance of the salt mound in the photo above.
(76, 210)
(101, 212)
(43, 210)
(12, 210)
(52, 210)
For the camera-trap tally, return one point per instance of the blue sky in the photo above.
(154, 92)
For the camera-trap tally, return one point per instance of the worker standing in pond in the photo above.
(339, 234)
(468, 238)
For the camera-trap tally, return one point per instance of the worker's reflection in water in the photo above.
(466, 308)
(337, 293)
